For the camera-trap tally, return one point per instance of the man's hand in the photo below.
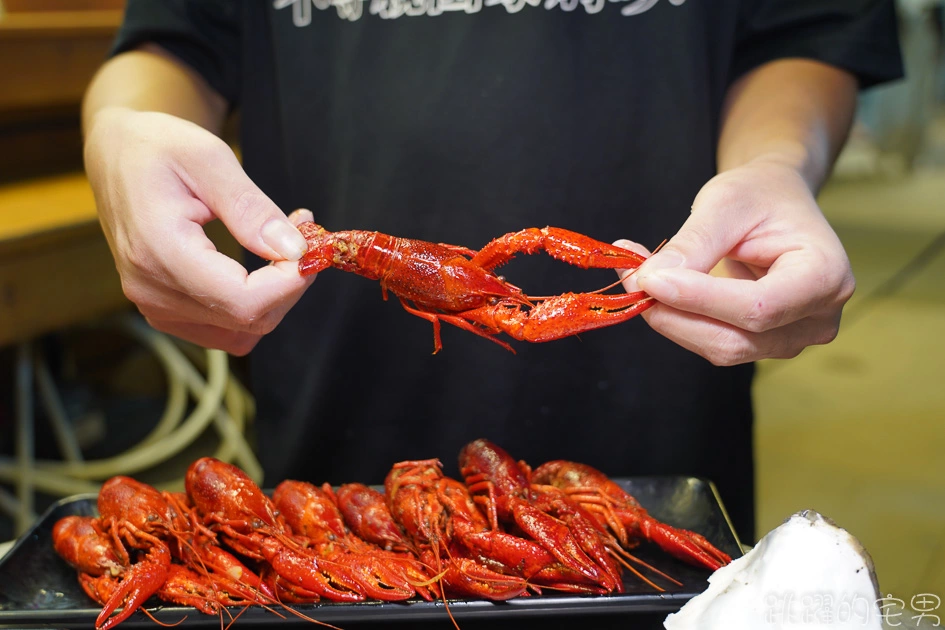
(783, 280)
(158, 180)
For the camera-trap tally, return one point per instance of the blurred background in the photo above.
(854, 429)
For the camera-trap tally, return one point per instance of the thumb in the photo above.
(704, 239)
(246, 211)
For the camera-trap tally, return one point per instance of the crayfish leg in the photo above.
(683, 544)
(455, 320)
(601, 507)
(459, 249)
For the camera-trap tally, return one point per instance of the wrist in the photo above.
(796, 158)
(92, 120)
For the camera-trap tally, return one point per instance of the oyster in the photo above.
(808, 573)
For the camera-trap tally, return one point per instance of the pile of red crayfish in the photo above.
(507, 531)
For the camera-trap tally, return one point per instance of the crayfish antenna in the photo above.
(441, 571)
(234, 618)
(630, 272)
(622, 556)
(162, 623)
(297, 613)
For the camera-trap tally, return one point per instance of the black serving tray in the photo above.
(39, 590)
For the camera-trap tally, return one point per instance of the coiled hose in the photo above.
(220, 401)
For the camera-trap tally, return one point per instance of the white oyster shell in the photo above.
(808, 573)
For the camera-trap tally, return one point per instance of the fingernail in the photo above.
(284, 239)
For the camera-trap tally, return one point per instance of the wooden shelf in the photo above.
(39, 208)
(47, 58)
(55, 265)
(58, 24)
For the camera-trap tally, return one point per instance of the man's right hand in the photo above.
(158, 180)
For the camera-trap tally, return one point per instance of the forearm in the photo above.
(793, 111)
(150, 79)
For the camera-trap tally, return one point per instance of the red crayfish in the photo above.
(313, 515)
(459, 286)
(431, 510)
(507, 532)
(148, 543)
(584, 494)
(567, 507)
(551, 519)
(249, 522)
(623, 515)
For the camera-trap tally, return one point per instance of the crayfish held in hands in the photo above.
(459, 286)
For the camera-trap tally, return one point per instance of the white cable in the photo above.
(9, 503)
(48, 482)
(176, 404)
(221, 401)
(230, 431)
(230, 421)
(145, 456)
(235, 412)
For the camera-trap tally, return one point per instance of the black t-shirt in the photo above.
(457, 121)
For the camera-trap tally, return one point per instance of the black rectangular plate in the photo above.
(38, 589)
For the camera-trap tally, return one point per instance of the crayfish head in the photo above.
(125, 500)
(223, 490)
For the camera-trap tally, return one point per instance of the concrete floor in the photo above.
(856, 429)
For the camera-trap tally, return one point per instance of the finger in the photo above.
(221, 284)
(288, 269)
(627, 276)
(791, 290)
(296, 218)
(730, 268)
(161, 303)
(249, 215)
(169, 305)
(724, 344)
(231, 341)
(190, 281)
(715, 226)
(300, 216)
